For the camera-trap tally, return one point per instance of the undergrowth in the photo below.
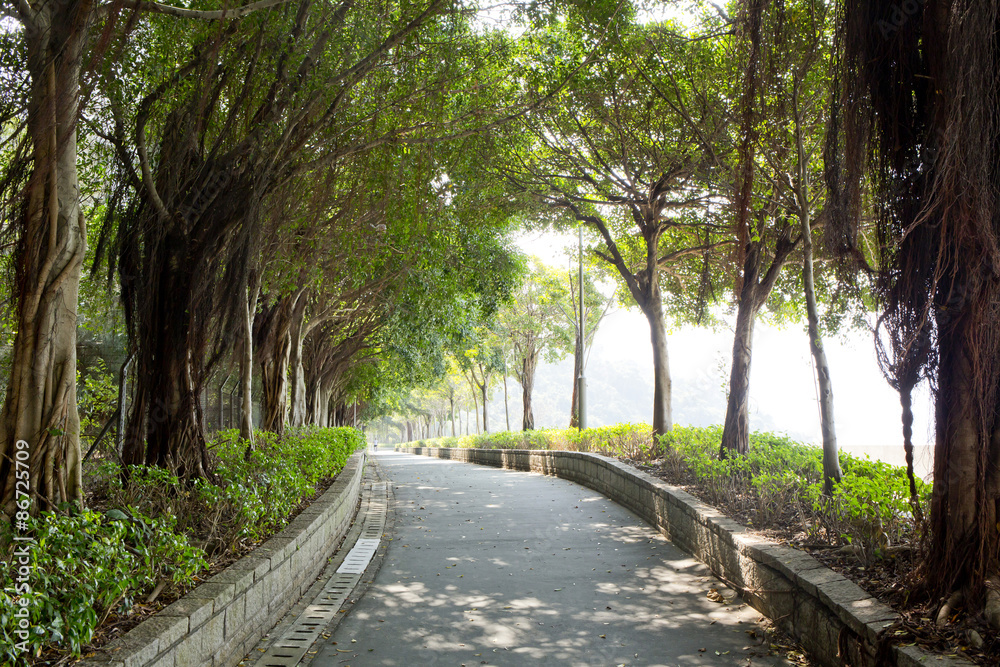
(155, 531)
(870, 508)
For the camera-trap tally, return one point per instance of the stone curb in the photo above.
(217, 623)
(824, 611)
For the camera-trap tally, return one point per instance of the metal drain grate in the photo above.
(288, 649)
(359, 557)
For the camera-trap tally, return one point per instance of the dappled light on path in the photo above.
(506, 568)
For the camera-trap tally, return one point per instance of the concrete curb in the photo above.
(820, 608)
(218, 622)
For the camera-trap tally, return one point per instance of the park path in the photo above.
(497, 567)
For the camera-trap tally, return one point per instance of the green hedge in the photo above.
(85, 565)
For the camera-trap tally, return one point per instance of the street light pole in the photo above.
(581, 382)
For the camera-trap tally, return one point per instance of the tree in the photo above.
(919, 113)
(480, 362)
(40, 405)
(534, 325)
(777, 174)
(229, 147)
(626, 152)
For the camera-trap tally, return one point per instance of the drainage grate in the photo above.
(359, 557)
(289, 649)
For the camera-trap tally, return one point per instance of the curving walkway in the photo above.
(495, 567)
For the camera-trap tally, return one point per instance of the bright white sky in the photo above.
(782, 387)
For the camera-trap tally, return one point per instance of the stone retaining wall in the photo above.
(217, 623)
(821, 609)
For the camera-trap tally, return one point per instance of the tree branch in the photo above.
(203, 15)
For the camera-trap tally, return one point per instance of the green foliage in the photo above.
(84, 565)
(97, 396)
(251, 498)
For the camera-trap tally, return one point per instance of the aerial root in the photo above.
(948, 608)
(992, 609)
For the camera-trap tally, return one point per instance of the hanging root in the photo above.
(948, 608)
(992, 610)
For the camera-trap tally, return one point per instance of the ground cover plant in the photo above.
(97, 571)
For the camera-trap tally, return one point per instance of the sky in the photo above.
(783, 395)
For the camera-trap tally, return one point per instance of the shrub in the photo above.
(84, 565)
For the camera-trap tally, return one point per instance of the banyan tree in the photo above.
(917, 138)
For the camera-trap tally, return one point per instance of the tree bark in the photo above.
(297, 379)
(250, 294)
(40, 405)
(662, 385)
(484, 387)
(574, 411)
(754, 291)
(274, 383)
(527, 378)
(506, 406)
(736, 432)
(964, 548)
(831, 458)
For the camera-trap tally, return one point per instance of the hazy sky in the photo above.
(782, 387)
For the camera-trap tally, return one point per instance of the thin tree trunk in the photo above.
(736, 432)
(506, 407)
(662, 419)
(40, 406)
(527, 377)
(246, 365)
(475, 401)
(574, 414)
(831, 458)
(485, 389)
(297, 379)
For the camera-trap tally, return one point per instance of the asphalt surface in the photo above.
(496, 567)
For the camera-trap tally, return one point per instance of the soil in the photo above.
(891, 579)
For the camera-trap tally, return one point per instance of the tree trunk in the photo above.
(736, 432)
(574, 411)
(484, 387)
(653, 309)
(475, 401)
(506, 407)
(753, 293)
(964, 547)
(297, 379)
(274, 382)
(40, 405)
(831, 459)
(451, 403)
(527, 377)
(246, 365)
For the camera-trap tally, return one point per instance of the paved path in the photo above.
(496, 567)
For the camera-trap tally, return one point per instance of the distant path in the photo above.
(496, 567)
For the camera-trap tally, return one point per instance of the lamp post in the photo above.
(581, 381)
